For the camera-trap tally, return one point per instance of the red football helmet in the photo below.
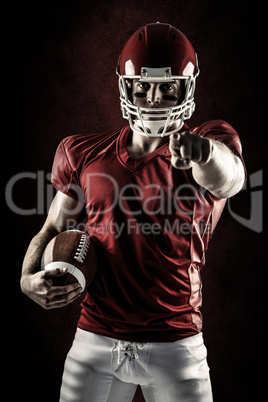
(158, 53)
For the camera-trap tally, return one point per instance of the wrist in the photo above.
(211, 155)
(25, 283)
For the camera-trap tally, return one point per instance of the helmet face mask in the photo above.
(160, 121)
(155, 122)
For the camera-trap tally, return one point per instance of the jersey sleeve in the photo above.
(220, 130)
(64, 176)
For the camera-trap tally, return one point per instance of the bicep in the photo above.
(64, 212)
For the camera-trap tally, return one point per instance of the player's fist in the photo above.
(39, 287)
(187, 148)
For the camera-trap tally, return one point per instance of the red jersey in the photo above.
(150, 224)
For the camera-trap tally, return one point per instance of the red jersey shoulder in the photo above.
(79, 146)
(72, 154)
(220, 130)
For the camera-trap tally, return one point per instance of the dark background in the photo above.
(58, 62)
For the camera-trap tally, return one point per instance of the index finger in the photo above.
(54, 272)
(175, 140)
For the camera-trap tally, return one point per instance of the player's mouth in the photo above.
(154, 115)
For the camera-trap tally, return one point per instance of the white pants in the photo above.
(102, 369)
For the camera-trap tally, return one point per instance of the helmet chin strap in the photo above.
(152, 126)
(155, 128)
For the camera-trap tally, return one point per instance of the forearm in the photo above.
(32, 259)
(223, 175)
(38, 284)
(61, 209)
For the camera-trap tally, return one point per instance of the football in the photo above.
(74, 250)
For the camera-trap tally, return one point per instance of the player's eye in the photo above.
(167, 88)
(144, 86)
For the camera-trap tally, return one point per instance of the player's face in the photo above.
(156, 94)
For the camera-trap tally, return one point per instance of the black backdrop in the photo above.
(59, 59)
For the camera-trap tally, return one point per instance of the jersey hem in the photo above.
(138, 338)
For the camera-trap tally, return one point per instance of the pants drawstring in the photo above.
(130, 348)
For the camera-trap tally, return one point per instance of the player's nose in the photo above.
(154, 95)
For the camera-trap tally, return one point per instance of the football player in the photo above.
(153, 192)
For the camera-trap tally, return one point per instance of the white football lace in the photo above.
(82, 249)
(130, 348)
